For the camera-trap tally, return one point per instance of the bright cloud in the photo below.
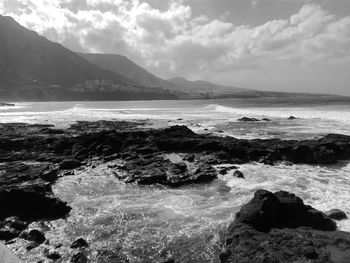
(175, 42)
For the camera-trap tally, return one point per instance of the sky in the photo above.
(279, 45)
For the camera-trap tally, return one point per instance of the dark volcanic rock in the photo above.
(53, 255)
(278, 227)
(11, 227)
(70, 164)
(31, 204)
(79, 258)
(281, 209)
(246, 119)
(238, 174)
(3, 104)
(80, 242)
(34, 235)
(336, 214)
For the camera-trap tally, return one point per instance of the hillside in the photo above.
(201, 86)
(28, 58)
(185, 89)
(34, 68)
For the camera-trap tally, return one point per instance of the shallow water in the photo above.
(315, 117)
(151, 224)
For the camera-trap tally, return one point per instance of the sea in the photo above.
(188, 224)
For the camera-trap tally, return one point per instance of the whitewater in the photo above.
(154, 222)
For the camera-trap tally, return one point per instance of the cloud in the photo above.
(175, 42)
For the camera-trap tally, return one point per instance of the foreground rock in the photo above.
(32, 157)
(279, 227)
(336, 214)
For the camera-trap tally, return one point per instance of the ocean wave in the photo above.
(331, 113)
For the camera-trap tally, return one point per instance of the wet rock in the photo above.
(34, 235)
(281, 209)
(310, 253)
(336, 214)
(79, 243)
(302, 154)
(7, 234)
(204, 174)
(155, 176)
(50, 175)
(189, 157)
(68, 164)
(11, 227)
(79, 258)
(225, 170)
(238, 174)
(3, 104)
(246, 119)
(15, 223)
(279, 227)
(53, 255)
(292, 118)
(31, 203)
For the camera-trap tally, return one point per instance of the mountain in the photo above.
(34, 68)
(27, 58)
(124, 66)
(201, 86)
(185, 89)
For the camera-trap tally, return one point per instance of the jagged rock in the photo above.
(189, 157)
(281, 209)
(31, 204)
(336, 214)
(34, 235)
(225, 170)
(53, 255)
(80, 242)
(238, 174)
(79, 258)
(11, 227)
(246, 119)
(279, 227)
(70, 164)
(50, 175)
(3, 104)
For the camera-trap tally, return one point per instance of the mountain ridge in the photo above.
(35, 68)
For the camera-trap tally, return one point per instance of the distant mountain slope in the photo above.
(207, 87)
(187, 89)
(124, 66)
(27, 58)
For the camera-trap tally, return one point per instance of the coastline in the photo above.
(35, 156)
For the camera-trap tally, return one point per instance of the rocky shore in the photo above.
(33, 157)
(279, 227)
